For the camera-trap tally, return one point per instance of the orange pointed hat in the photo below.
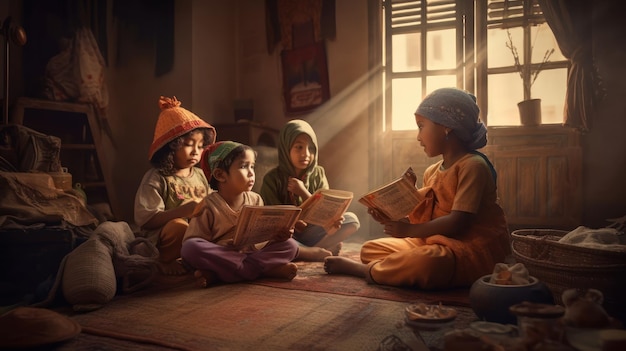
(173, 122)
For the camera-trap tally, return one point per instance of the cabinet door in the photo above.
(539, 187)
(539, 175)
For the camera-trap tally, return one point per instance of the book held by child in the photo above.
(257, 224)
(395, 199)
(325, 207)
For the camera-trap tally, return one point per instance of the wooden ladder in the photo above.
(82, 149)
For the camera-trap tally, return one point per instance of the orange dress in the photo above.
(438, 261)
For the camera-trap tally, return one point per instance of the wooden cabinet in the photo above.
(539, 175)
(248, 133)
(81, 145)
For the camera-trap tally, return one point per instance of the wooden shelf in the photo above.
(249, 133)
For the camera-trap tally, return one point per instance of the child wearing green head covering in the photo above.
(458, 232)
(296, 178)
(207, 245)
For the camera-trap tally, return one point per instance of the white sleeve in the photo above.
(149, 197)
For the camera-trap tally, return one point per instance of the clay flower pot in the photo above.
(530, 112)
(491, 302)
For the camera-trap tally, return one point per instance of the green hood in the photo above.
(287, 135)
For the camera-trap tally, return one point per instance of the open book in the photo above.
(257, 224)
(396, 199)
(325, 206)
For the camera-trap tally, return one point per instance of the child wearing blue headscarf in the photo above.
(458, 232)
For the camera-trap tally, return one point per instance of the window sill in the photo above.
(545, 135)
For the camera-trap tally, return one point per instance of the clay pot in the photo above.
(530, 112)
(491, 302)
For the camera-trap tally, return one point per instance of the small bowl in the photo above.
(430, 313)
(429, 317)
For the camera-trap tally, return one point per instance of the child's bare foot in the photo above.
(336, 249)
(312, 253)
(286, 271)
(344, 265)
(203, 278)
(172, 268)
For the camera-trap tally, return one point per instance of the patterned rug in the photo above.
(315, 311)
(245, 317)
(312, 277)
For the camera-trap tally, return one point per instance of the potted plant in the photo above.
(530, 109)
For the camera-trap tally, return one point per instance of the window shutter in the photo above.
(409, 15)
(513, 13)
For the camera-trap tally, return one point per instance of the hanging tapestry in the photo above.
(305, 78)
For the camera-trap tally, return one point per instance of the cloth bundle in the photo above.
(505, 274)
(602, 238)
(28, 198)
(77, 72)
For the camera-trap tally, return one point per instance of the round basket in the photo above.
(543, 245)
(563, 266)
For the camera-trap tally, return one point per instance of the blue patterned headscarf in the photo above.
(457, 110)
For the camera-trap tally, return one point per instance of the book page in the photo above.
(261, 223)
(396, 199)
(325, 206)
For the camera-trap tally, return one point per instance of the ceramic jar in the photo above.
(491, 302)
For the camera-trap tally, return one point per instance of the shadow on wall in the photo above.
(266, 159)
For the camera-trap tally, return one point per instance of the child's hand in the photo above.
(296, 186)
(283, 235)
(411, 175)
(378, 216)
(339, 222)
(188, 208)
(300, 225)
(397, 229)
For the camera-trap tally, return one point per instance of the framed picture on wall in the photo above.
(305, 78)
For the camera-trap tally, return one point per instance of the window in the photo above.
(432, 44)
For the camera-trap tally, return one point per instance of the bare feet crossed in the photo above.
(312, 254)
(203, 278)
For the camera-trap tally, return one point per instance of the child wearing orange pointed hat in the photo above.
(207, 246)
(170, 190)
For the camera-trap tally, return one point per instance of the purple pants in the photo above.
(232, 266)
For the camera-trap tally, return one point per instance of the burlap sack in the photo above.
(88, 276)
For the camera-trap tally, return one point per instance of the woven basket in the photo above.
(563, 266)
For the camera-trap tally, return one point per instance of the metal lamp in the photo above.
(12, 34)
